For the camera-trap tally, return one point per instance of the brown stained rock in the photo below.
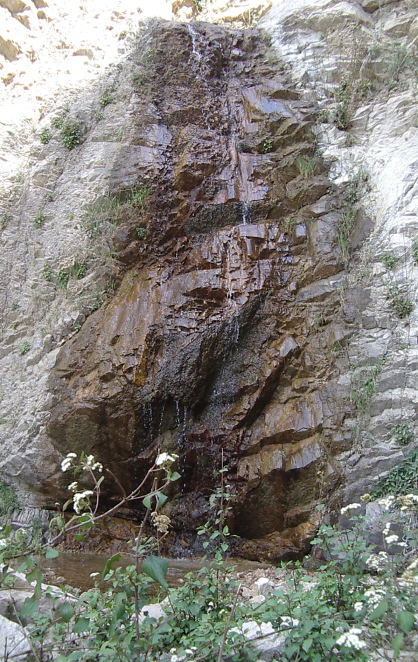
(205, 345)
(9, 49)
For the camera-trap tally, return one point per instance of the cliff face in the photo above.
(195, 274)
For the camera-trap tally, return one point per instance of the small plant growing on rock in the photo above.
(267, 146)
(57, 122)
(63, 276)
(401, 304)
(141, 232)
(306, 165)
(389, 260)
(403, 433)
(39, 219)
(415, 251)
(71, 134)
(45, 136)
(105, 99)
(5, 220)
(25, 348)
(290, 223)
(47, 272)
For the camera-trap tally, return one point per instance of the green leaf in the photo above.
(156, 568)
(147, 502)
(51, 553)
(29, 608)
(174, 476)
(397, 644)
(79, 536)
(108, 566)
(381, 609)
(161, 499)
(307, 644)
(406, 621)
(81, 625)
(66, 611)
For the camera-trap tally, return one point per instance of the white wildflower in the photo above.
(402, 544)
(351, 506)
(67, 462)
(351, 639)
(377, 561)
(73, 487)
(92, 464)
(3, 544)
(386, 503)
(391, 539)
(164, 459)
(366, 497)
(94, 574)
(80, 501)
(358, 606)
(374, 596)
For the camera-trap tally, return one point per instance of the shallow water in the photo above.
(75, 569)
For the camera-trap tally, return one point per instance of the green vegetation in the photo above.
(78, 269)
(57, 122)
(267, 146)
(389, 260)
(106, 98)
(399, 302)
(415, 251)
(359, 603)
(47, 272)
(39, 219)
(45, 135)
(5, 220)
(141, 232)
(63, 276)
(401, 479)
(354, 189)
(71, 134)
(8, 501)
(363, 385)
(306, 165)
(25, 348)
(403, 433)
(290, 223)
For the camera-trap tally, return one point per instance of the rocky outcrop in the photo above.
(195, 274)
(216, 334)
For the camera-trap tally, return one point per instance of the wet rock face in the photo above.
(220, 333)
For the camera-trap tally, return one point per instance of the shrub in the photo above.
(45, 136)
(403, 433)
(71, 134)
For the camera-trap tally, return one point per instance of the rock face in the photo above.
(214, 337)
(200, 277)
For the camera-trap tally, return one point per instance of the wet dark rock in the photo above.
(218, 336)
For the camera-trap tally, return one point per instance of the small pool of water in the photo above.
(76, 569)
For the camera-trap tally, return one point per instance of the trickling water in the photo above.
(177, 413)
(246, 213)
(147, 409)
(184, 418)
(194, 38)
(161, 420)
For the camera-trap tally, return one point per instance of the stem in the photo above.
(231, 614)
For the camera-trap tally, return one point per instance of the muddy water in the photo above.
(76, 569)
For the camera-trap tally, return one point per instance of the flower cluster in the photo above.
(91, 464)
(409, 502)
(67, 462)
(377, 562)
(81, 501)
(374, 596)
(351, 639)
(386, 503)
(161, 522)
(165, 460)
(351, 506)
